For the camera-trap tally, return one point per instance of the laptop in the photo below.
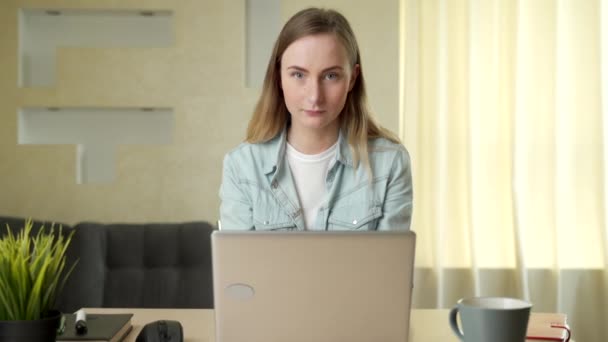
(312, 286)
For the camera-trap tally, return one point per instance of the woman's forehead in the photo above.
(319, 50)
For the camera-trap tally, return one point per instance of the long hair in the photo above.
(271, 116)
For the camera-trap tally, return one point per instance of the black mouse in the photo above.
(161, 331)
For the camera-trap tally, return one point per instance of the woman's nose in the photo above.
(315, 92)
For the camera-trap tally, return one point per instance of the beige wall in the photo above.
(201, 78)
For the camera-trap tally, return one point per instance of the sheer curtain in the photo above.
(504, 109)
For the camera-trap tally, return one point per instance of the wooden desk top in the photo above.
(199, 324)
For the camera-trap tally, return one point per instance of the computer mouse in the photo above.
(161, 331)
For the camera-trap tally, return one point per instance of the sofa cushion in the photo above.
(141, 265)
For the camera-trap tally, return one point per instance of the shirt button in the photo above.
(355, 222)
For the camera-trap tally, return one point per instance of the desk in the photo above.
(199, 324)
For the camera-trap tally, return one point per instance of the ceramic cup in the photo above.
(491, 319)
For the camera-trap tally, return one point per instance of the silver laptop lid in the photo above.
(312, 286)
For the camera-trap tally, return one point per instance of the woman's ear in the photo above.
(353, 76)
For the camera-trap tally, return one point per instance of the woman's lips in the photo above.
(313, 112)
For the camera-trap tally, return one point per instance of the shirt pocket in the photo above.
(268, 215)
(362, 216)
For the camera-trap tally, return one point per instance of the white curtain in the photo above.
(504, 110)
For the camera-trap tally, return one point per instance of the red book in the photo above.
(548, 327)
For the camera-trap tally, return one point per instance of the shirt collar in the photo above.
(344, 154)
(274, 150)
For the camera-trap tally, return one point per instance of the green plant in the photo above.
(31, 271)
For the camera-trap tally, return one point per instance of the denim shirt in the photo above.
(258, 191)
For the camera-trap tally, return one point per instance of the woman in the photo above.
(314, 158)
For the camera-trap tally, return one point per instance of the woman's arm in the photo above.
(397, 207)
(236, 212)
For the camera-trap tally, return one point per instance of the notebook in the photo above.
(312, 286)
(545, 326)
(100, 327)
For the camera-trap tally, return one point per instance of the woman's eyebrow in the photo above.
(298, 68)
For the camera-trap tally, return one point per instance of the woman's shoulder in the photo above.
(383, 150)
(243, 150)
(386, 155)
(243, 147)
(249, 151)
(381, 144)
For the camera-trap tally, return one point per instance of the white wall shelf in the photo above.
(43, 31)
(97, 132)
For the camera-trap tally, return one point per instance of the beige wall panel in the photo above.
(8, 91)
(13, 188)
(201, 78)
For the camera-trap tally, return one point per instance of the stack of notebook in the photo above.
(548, 327)
(100, 327)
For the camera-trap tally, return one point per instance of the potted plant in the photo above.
(31, 276)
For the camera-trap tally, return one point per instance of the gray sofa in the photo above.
(135, 265)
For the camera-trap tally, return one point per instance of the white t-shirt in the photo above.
(309, 172)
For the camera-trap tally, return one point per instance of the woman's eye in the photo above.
(332, 76)
(297, 74)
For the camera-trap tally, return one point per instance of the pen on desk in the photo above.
(81, 322)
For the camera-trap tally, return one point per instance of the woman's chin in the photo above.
(314, 125)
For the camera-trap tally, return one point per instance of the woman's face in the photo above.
(316, 77)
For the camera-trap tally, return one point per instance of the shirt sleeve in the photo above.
(397, 207)
(236, 211)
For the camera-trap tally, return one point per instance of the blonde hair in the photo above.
(271, 115)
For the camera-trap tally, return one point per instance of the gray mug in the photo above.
(491, 319)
